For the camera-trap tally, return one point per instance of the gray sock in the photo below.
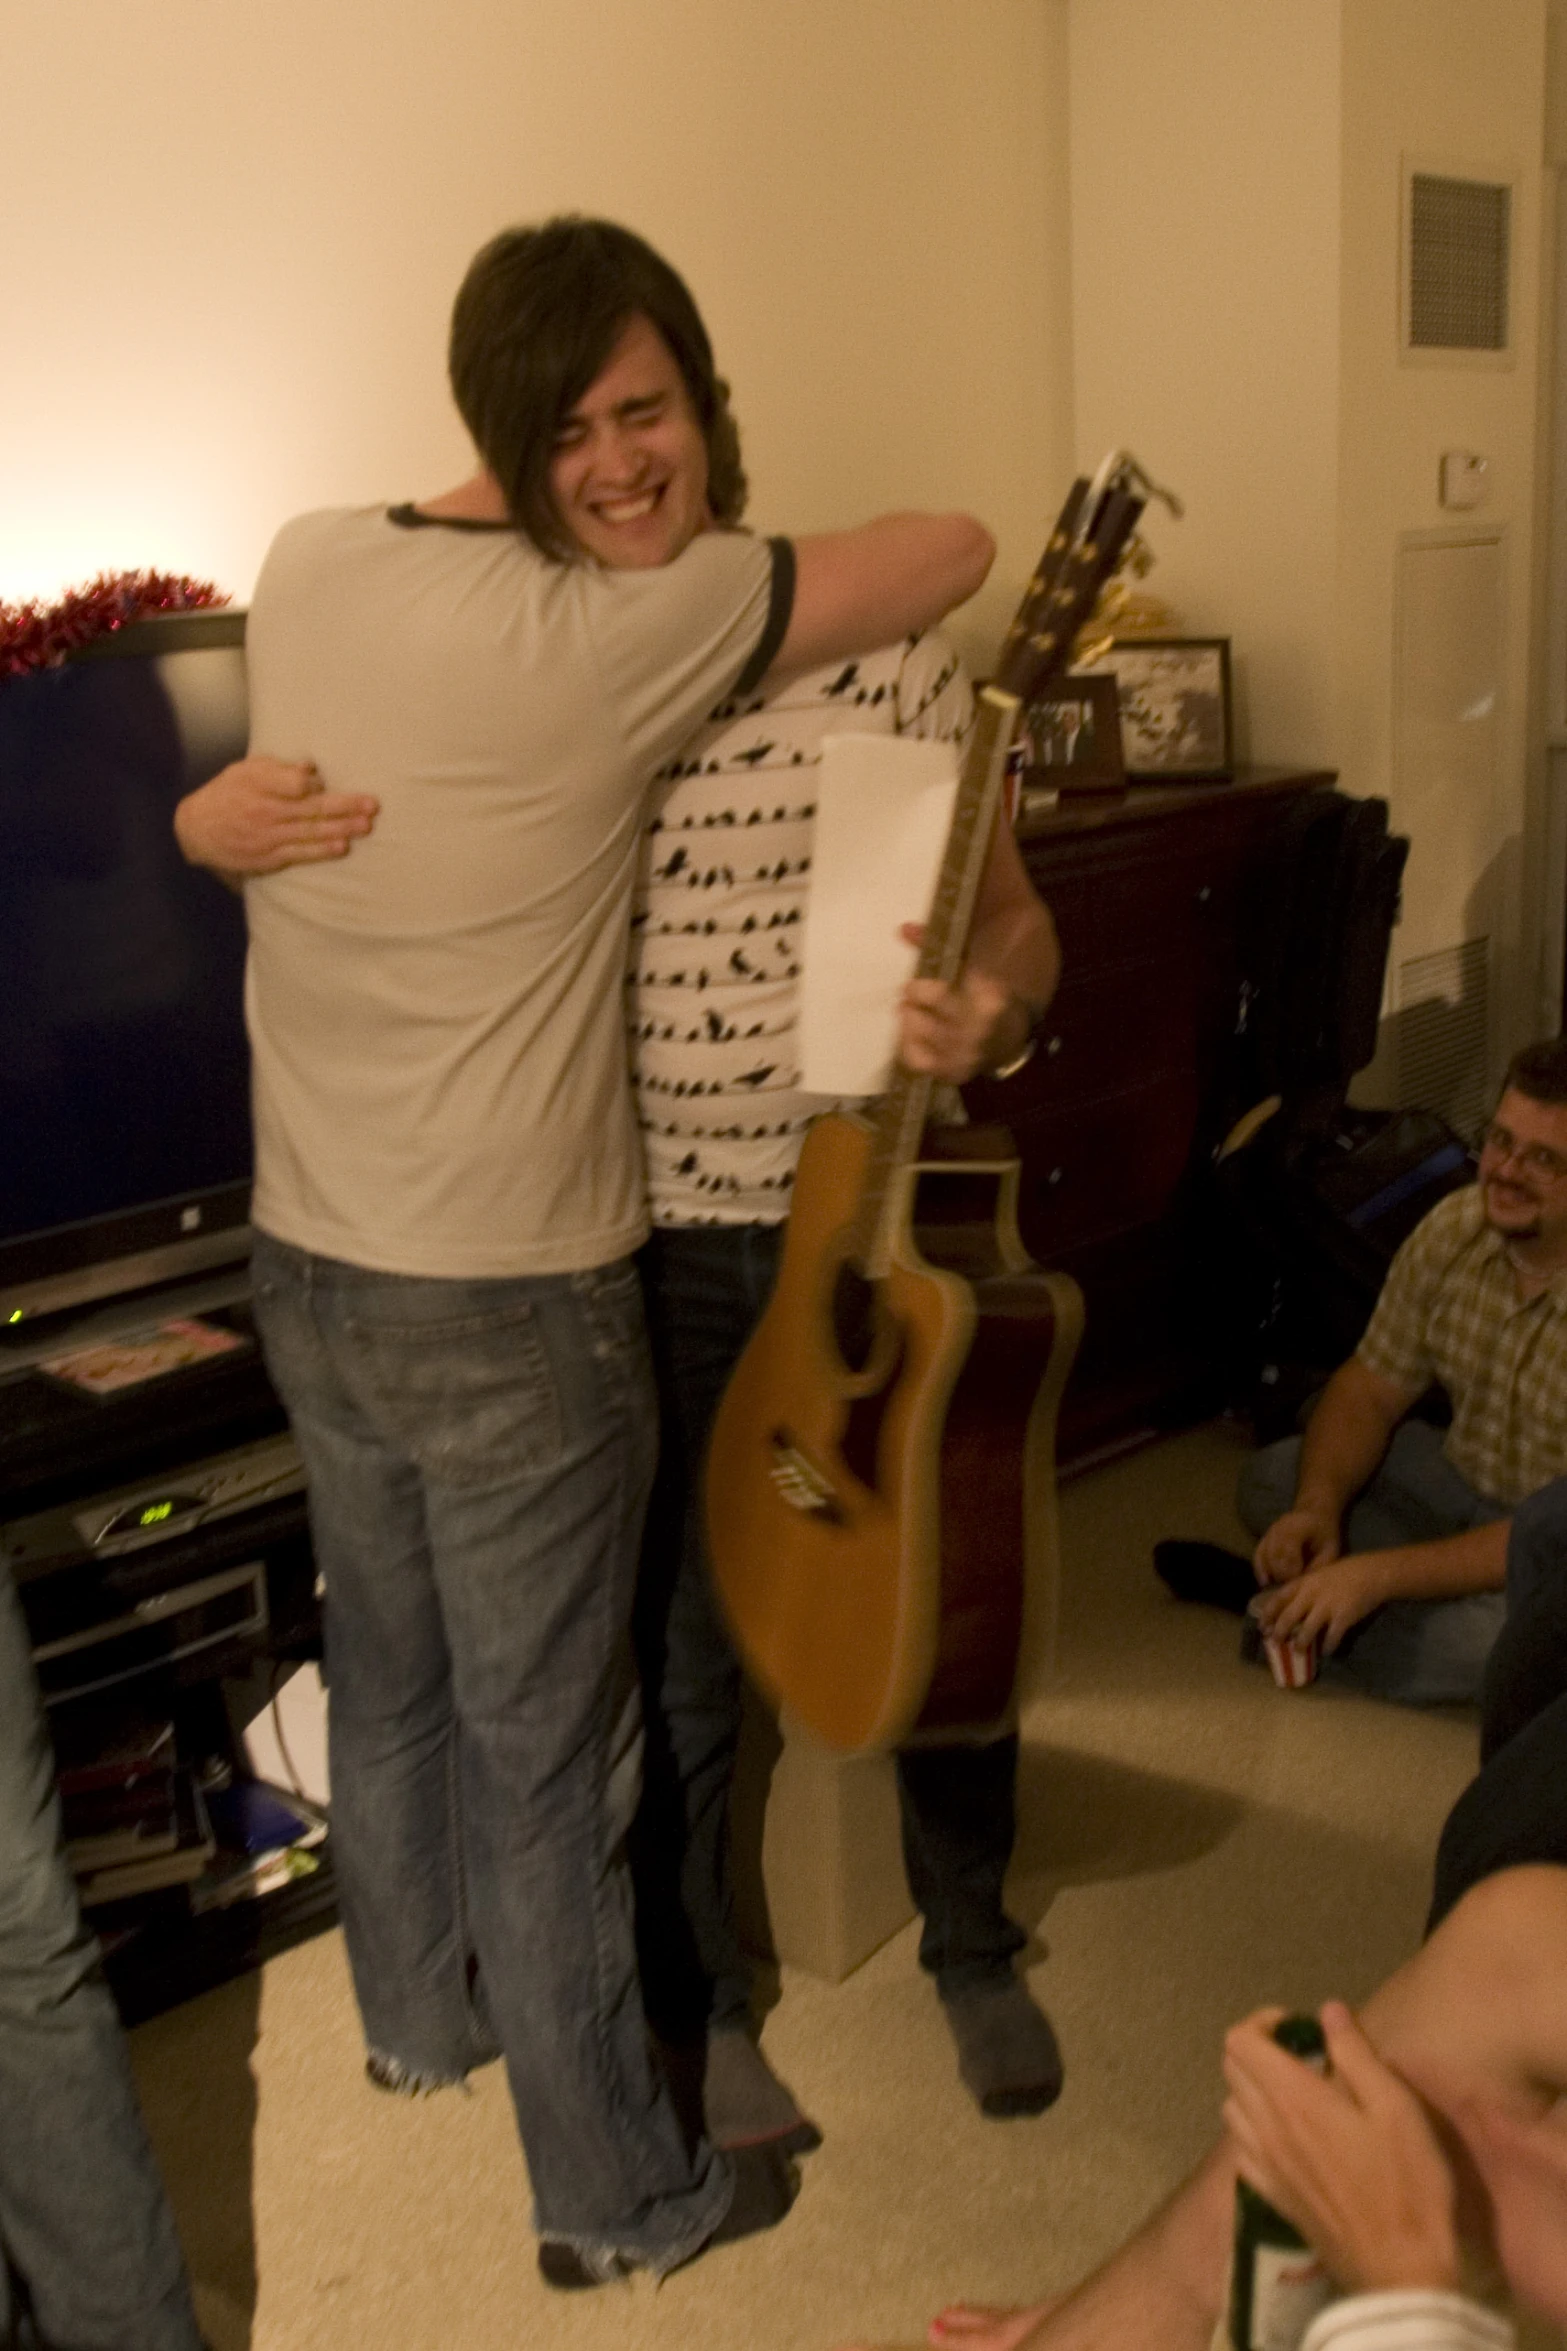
(743, 2101)
(1007, 2053)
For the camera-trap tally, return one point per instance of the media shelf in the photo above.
(171, 1956)
(158, 1539)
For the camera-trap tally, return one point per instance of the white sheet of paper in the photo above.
(298, 1761)
(883, 808)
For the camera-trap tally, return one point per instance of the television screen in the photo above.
(124, 1075)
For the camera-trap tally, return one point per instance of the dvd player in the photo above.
(136, 1518)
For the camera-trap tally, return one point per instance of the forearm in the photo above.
(1013, 942)
(858, 590)
(1018, 946)
(1346, 1438)
(1475, 1561)
(1164, 2289)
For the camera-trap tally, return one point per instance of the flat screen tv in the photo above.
(125, 1147)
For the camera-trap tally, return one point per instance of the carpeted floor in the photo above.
(1192, 1842)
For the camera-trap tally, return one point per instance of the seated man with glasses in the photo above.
(1381, 1535)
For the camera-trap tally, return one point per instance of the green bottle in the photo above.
(1277, 2282)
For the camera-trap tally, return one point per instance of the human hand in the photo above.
(1307, 1536)
(1324, 1603)
(260, 814)
(953, 1032)
(1350, 2158)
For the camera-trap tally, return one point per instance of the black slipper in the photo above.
(1207, 1573)
(766, 2184)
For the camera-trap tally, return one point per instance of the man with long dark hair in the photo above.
(448, 1186)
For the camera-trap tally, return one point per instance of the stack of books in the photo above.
(134, 1817)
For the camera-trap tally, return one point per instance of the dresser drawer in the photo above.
(1106, 1167)
(1178, 912)
(1106, 1032)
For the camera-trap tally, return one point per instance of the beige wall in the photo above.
(944, 252)
(1447, 83)
(1236, 193)
(1205, 270)
(235, 232)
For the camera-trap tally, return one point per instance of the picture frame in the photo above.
(1177, 722)
(1072, 735)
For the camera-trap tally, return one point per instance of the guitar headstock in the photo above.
(1091, 540)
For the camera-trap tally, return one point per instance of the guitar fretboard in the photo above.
(1083, 552)
(904, 1108)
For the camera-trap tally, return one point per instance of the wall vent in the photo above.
(1442, 1018)
(1458, 239)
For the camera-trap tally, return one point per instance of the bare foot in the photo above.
(977, 2326)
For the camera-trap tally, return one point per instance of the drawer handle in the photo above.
(1055, 1175)
(1052, 1047)
(1204, 894)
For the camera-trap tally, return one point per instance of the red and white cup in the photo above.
(1292, 1663)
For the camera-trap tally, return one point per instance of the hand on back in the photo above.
(259, 815)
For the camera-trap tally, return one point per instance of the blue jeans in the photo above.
(1422, 1652)
(706, 1287)
(1528, 1666)
(88, 2255)
(1516, 1811)
(478, 1456)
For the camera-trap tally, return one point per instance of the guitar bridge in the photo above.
(801, 1484)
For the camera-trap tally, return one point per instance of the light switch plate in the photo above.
(1465, 479)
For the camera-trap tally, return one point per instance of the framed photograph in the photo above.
(1175, 707)
(1073, 738)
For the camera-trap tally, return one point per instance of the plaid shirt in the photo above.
(1450, 1312)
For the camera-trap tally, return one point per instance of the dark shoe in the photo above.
(568, 2271)
(766, 2184)
(1207, 1573)
(1007, 2053)
(744, 2104)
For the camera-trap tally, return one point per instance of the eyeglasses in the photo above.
(1538, 1158)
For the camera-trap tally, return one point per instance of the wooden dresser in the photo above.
(1124, 1098)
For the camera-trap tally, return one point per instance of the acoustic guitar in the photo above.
(880, 1483)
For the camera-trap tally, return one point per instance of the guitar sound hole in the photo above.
(854, 1317)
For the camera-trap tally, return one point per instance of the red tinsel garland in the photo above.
(40, 636)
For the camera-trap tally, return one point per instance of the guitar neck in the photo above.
(903, 1109)
(1084, 550)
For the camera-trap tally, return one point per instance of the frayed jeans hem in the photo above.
(609, 2262)
(408, 2081)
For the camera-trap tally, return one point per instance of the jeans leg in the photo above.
(396, 1841)
(1537, 1546)
(1514, 1812)
(1527, 1669)
(1416, 1496)
(958, 1807)
(1419, 1652)
(705, 1289)
(521, 1413)
(87, 2242)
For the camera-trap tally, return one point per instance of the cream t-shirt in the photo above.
(439, 1068)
